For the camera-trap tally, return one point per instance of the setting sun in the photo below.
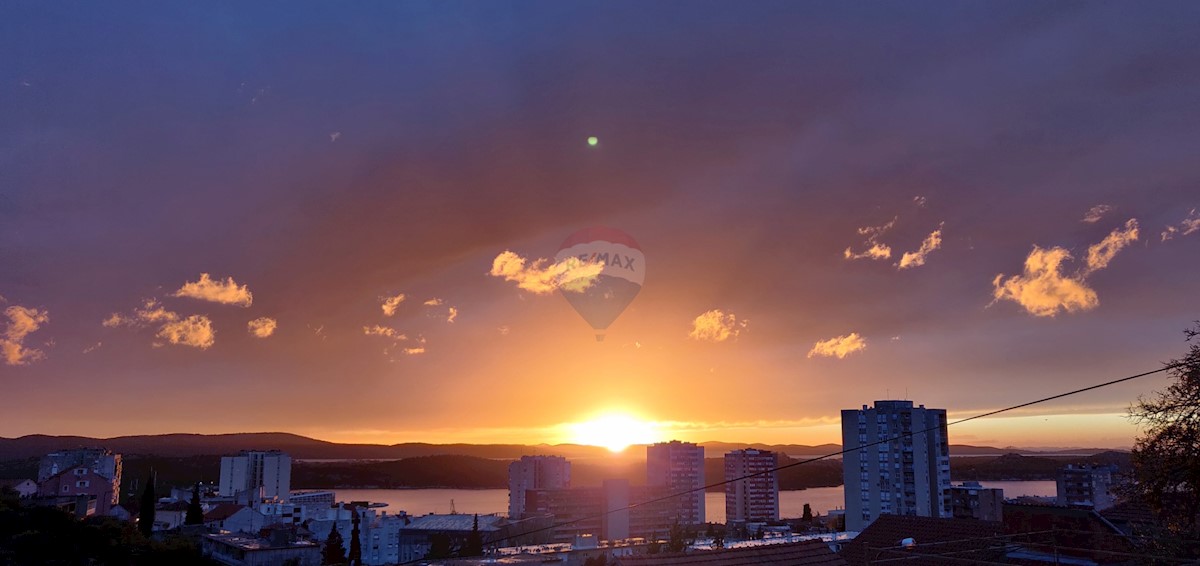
(615, 432)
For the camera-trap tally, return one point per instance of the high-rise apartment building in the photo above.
(755, 498)
(680, 467)
(535, 472)
(897, 462)
(259, 474)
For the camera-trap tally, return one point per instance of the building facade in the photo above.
(679, 466)
(102, 467)
(973, 501)
(379, 531)
(80, 482)
(754, 498)
(248, 550)
(602, 513)
(260, 474)
(535, 472)
(1086, 486)
(896, 462)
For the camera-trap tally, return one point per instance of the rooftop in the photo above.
(806, 553)
(247, 542)
(458, 522)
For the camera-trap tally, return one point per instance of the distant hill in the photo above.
(1020, 467)
(304, 448)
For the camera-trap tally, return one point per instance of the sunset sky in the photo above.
(209, 213)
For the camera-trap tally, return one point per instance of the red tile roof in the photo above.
(222, 512)
(970, 539)
(807, 553)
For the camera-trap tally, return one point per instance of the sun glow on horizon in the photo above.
(616, 432)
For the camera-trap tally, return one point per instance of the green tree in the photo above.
(676, 540)
(355, 554)
(334, 551)
(807, 516)
(195, 513)
(474, 546)
(654, 546)
(1166, 457)
(146, 508)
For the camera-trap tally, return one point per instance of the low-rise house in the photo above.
(235, 518)
(120, 512)
(248, 550)
(77, 481)
(25, 488)
(169, 515)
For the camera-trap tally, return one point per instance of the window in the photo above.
(82, 483)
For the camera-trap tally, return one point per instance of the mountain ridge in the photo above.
(306, 448)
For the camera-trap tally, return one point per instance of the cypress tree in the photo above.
(195, 513)
(334, 551)
(146, 512)
(355, 555)
(474, 545)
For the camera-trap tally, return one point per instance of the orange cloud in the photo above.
(226, 292)
(875, 249)
(22, 321)
(1187, 226)
(390, 304)
(1099, 255)
(384, 331)
(151, 312)
(1042, 289)
(840, 346)
(716, 326)
(541, 276)
(913, 259)
(262, 327)
(1095, 213)
(195, 331)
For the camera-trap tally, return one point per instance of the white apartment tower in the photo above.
(680, 467)
(535, 472)
(261, 474)
(897, 462)
(755, 498)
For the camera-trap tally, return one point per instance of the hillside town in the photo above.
(899, 501)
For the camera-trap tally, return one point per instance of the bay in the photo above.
(488, 501)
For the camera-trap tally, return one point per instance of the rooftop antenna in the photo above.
(452, 511)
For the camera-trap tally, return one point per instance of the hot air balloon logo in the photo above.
(601, 302)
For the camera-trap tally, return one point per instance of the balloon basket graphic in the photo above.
(602, 297)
